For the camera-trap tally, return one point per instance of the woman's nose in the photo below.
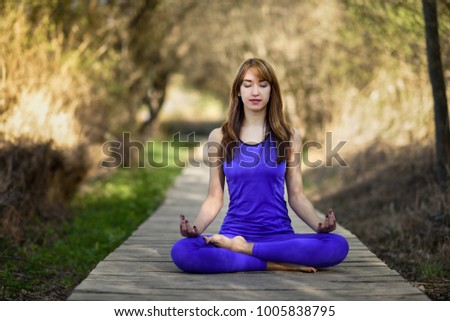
(255, 91)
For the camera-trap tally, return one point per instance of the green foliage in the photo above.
(389, 29)
(380, 33)
(433, 270)
(106, 212)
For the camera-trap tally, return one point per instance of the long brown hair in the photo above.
(276, 124)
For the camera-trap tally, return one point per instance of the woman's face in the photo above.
(254, 92)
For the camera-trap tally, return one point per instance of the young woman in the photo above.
(260, 153)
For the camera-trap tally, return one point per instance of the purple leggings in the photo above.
(318, 250)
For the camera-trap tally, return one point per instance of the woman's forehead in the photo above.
(253, 74)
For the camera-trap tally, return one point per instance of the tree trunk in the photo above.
(154, 99)
(437, 80)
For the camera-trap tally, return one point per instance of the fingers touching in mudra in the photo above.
(329, 224)
(186, 229)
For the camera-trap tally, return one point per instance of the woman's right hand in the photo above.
(186, 229)
(329, 225)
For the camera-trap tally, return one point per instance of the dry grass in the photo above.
(395, 106)
(37, 181)
(42, 142)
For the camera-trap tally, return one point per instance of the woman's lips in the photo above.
(255, 101)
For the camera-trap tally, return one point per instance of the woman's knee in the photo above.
(340, 248)
(180, 253)
(184, 253)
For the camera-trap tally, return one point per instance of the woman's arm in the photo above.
(214, 201)
(296, 196)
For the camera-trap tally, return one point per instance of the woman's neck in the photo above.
(253, 128)
(252, 119)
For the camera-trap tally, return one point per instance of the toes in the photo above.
(239, 238)
(308, 269)
(214, 239)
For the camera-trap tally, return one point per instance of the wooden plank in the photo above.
(223, 295)
(131, 268)
(272, 280)
(305, 292)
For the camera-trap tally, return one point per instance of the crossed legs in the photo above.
(293, 252)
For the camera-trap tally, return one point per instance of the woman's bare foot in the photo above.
(240, 245)
(281, 266)
(236, 244)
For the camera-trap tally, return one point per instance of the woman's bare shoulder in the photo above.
(215, 135)
(296, 136)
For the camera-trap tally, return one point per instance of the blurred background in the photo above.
(75, 74)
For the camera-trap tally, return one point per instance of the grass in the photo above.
(432, 270)
(104, 213)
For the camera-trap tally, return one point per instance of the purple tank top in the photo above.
(256, 186)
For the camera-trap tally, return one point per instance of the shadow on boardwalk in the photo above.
(141, 268)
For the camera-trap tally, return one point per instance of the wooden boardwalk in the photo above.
(141, 268)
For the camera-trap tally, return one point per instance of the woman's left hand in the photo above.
(186, 229)
(329, 225)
